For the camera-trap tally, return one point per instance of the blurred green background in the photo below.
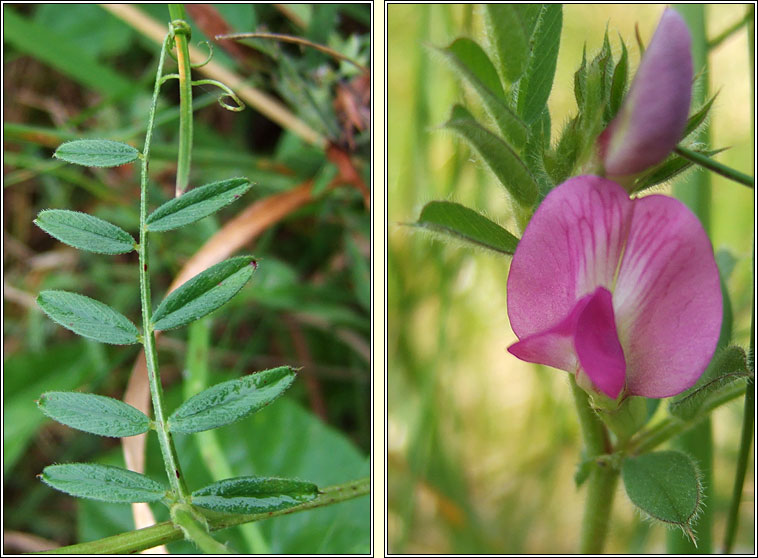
(482, 447)
(77, 70)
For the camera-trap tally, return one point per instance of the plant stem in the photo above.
(181, 39)
(651, 438)
(729, 31)
(597, 511)
(742, 460)
(747, 438)
(711, 165)
(170, 460)
(196, 532)
(603, 478)
(166, 532)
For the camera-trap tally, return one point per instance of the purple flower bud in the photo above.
(622, 292)
(654, 114)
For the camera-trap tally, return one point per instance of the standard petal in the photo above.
(597, 344)
(571, 246)
(654, 114)
(667, 298)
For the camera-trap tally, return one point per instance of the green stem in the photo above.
(742, 460)
(603, 478)
(166, 532)
(747, 438)
(714, 166)
(729, 31)
(597, 511)
(669, 427)
(195, 531)
(170, 459)
(181, 31)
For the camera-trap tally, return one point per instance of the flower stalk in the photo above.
(603, 478)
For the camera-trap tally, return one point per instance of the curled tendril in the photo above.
(181, 27)
(178, 27)
(167, 77)
(239, 105)
(210, 55)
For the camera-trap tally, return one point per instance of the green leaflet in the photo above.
(510, 28)
(618, 82)
(196, 204)
(471, 63)
(95, 414)
(509, 169)
(466, 224)
(254, 494)
(88, 317)
(84, 231)
(665, 485)
(694, 121)
(96, 153)
(102, 482)
(231, 401)
(204, 293)
(670, 168)
(537, 81)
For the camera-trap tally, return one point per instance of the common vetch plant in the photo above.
(618, 287)
(195, 510)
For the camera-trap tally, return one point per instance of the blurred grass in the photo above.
(76, 70)
(482, 447)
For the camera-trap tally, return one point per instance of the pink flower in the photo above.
(623, 292)
(653, 116)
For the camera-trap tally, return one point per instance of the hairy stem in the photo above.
(182, 515)
(166, 532)
(603, 478)
(170, 460)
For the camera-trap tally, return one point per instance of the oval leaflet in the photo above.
(96, 414)
(102, 482)
(254, 494)
(85, 232)
(231, 401)
(96, 153)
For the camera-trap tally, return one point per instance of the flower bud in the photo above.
(654, 114)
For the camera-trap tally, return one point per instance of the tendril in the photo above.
(181, 27)
(178, 27)
(167, 77)
(210, 55)
(239, 105)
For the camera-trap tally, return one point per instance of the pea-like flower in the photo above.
(622, 292)
(653, 116)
